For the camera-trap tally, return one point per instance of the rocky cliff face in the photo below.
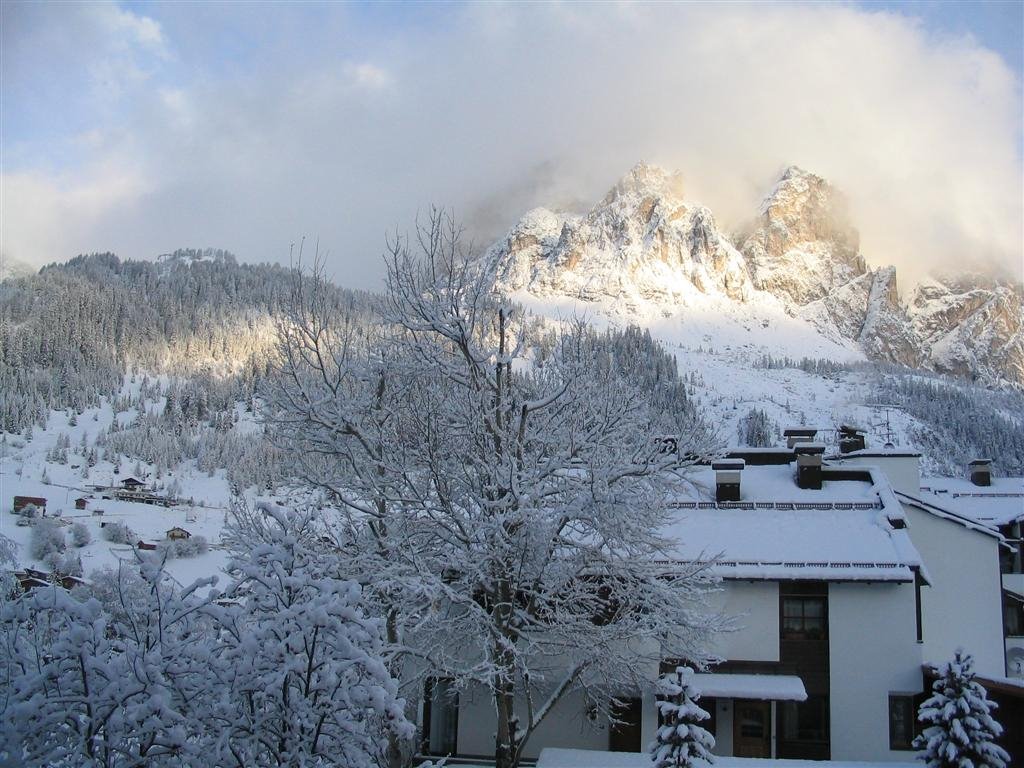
(645, 242)
(971, 325)
(642, 241)
(803, 249)
(801, 246)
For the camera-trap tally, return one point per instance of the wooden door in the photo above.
(752, 728)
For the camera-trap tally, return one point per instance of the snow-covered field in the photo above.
(25, 471)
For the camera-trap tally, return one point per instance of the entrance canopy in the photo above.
(763, 687)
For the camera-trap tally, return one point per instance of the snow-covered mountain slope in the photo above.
(646, 251)
(29, 467)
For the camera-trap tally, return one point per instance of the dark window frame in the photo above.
(428, 702)
(823, 705)
(906, 702)
(797, 623)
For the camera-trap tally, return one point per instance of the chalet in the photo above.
(20, 502)
(131, 484)
(29, 581)
(81, 503)
(843, 578)
(144, 545)
(177, 533)
(70, 582)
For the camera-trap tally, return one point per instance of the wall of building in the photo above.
(754, 606)
(873, 651)
(903, 471)
(566, 726)
(963, 606)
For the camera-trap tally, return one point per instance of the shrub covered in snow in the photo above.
(961, 730)
(69, 565)
(680, 740)
(47, 537)
(118, 533)
(80, 534)
(135, 671)
(195, 545)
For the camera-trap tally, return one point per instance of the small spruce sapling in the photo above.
(960, 728)
(680, 740)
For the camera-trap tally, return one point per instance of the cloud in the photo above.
(369, 76)
(344, 124)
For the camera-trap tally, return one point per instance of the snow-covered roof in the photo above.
(997, 504)
(816, 544)
(781, 531)
(947, 514)
(777, 483)
(556, 757)
(875, 453)
(762, 687)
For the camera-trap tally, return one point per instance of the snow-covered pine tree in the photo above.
(680, 739)
(961, 731)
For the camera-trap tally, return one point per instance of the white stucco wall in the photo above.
(754, 606)
(904, 472)
(963, 607)
(566, 726)
(873, 651)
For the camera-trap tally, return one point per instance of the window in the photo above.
(440, 717)
(805, 721)
(804, 618)
(1013, 616)
(901, 721)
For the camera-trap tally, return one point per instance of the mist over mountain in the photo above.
(647, 245)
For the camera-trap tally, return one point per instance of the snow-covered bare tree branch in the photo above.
(506, 497)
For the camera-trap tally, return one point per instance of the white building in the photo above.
(846, 582)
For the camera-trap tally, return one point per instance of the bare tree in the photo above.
(508, 504)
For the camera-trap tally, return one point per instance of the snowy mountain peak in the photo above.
(642, 242)
(647, 181)
(645, 248)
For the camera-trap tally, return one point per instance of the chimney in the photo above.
(980, 471)
(727, 478)
(796, 435)
(851, 439)
(808, 464)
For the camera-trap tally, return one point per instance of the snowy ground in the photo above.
(583, 758)
(24, 471)
(717, 344)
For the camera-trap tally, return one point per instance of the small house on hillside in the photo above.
(20, 502)
(29, 580)
(70, 582)
(143, 545)
(177, 533)
(81, 502)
